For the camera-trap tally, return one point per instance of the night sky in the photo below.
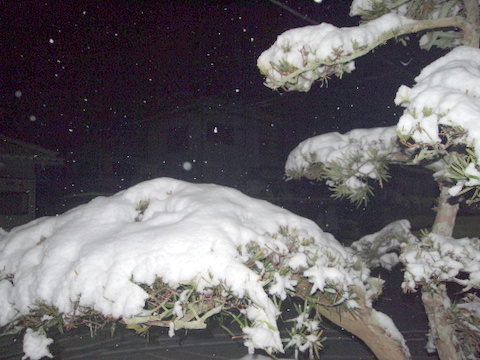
(72, 70)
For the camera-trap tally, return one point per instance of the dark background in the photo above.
(77, 73)
(72, 69)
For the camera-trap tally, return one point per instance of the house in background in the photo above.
(239, 146)
(234, 145)
(19, 166)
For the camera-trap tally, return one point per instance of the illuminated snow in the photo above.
(302, 49)
(98, 253)
(35, 345)
(447, 92)
(334, 146)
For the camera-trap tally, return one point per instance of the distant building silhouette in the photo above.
(19, 164)
(210, 142)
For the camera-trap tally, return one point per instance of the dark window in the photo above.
(220, 134)
(13, 203)
(176, 139)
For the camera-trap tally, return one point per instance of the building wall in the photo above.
(18, 183)
(17, 202)
(214, 145)
(16, 167)
(17, 191)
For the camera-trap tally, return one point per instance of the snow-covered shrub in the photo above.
(174, 254)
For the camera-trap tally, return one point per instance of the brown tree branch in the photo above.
(361, 323)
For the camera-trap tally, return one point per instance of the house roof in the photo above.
(257, 111)
(13, 149)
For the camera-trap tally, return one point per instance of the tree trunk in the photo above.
(446, 214)
(435, 300)
(361, 323)
(442, 332)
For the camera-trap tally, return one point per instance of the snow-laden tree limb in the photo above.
(427, 10)
(432, 263)
(382, 248)
(439, 259)
(299, 57)
(442, 117)
(439, 130)
(346, 161)
(374, 328)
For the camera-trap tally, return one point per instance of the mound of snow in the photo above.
(96, 254)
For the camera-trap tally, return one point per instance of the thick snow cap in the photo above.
(99, 252)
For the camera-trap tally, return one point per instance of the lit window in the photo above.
(220, 134)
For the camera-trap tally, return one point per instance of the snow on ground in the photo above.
(35, 345)
(99, 252)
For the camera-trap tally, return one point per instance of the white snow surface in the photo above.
(322, 40)
(334, 146)
(449, 90)
(440, 258)
(35, 345)
(188, 233)
(307, 47)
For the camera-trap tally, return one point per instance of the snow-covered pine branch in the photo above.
(302, 56)
(439, 130)
(438, 259)
(432, 263)
(299, 57)
(441, 116)
(382, 248)
(441, 119)
(346, 161)
(465, 12)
